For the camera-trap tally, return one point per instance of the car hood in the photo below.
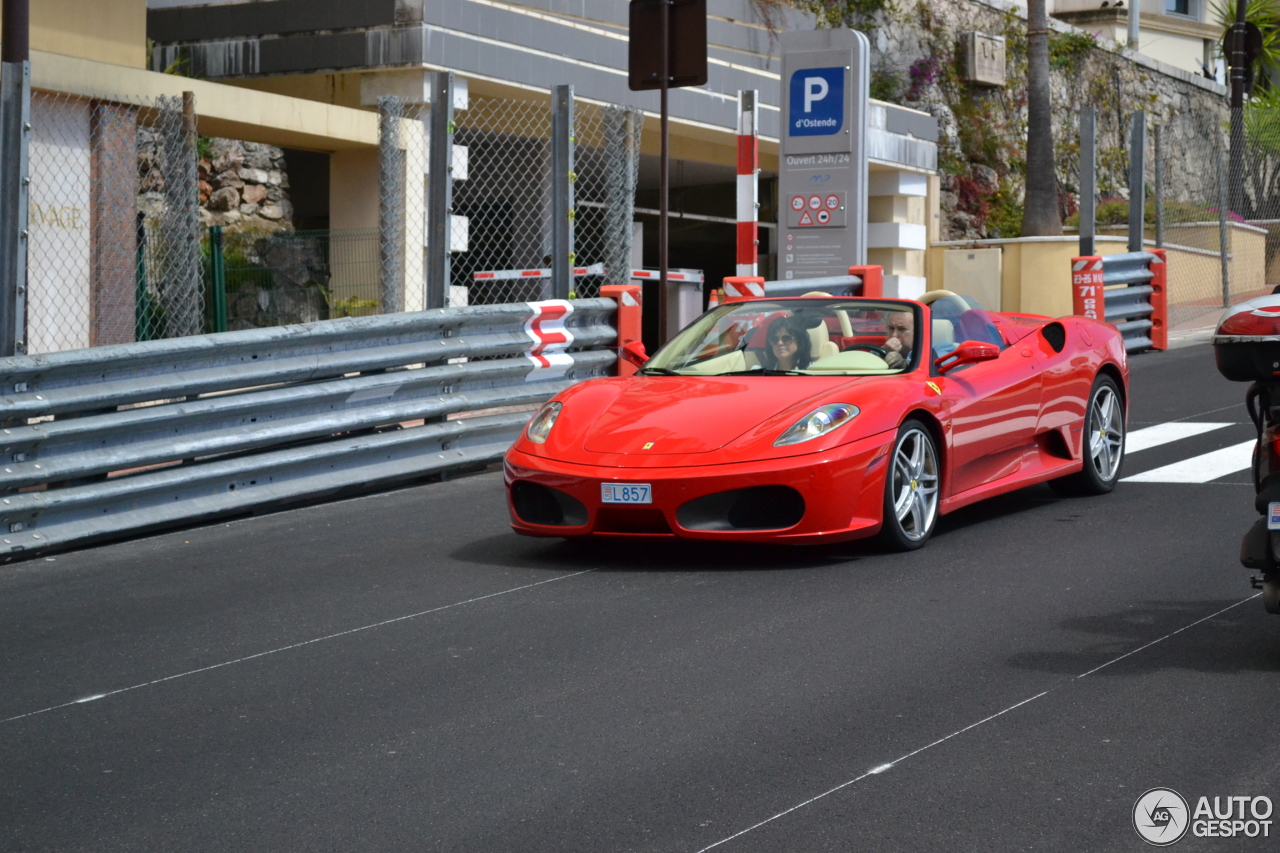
(662, 415)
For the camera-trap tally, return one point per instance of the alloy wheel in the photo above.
(915, 484)
(1106, 433)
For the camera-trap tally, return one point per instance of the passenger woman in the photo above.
(787, 345)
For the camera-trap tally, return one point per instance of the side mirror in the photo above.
(634, 353)
(969, 352)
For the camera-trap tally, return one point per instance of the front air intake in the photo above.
(535, 503)
(754, 508)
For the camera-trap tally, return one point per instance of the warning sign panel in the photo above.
(817, 211)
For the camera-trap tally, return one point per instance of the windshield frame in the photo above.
(674, 357)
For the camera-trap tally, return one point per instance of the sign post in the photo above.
(15, 137)
(678, 28)
(822, 189)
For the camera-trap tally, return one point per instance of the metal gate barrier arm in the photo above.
(865, 281)
(329, 417)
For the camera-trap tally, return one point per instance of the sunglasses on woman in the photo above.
(786, 340)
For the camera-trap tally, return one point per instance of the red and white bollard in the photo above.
(1159, 299)
(630, 319)
(738, 288)
(872, 277)
(748, 183)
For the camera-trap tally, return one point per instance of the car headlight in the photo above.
(818, 422)
(540, 427)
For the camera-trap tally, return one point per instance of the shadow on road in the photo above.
(1003, 506)
(653, 555)
(1244, 639)
(509, 550)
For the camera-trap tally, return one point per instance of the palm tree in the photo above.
(1040, 216)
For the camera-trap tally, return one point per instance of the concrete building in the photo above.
(349, 52)
(1181, 33)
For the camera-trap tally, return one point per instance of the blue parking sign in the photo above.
(816, 102)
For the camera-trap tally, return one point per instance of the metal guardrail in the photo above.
(1127, 290)
(1129, 307)
(121, 439)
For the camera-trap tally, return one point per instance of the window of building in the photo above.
(1186, 8)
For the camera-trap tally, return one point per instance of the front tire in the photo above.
(911, 489)
(1103, 443)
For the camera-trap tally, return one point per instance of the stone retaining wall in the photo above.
(917, 61)
(244, 186)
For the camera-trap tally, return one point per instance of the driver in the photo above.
(900, 326)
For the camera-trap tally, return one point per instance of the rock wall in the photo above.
(917, 62)
(244, 186)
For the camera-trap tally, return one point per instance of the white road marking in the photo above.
(1154, 436)
(1202, 468)
(381, 624)
(884, 767)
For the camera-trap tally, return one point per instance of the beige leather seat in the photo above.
(820, 342)
(944, 332)
(932, 296)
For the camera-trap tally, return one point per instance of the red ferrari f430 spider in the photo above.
(820, 419)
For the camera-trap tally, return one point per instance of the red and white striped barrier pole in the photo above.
(1086, 288)
(748, 183)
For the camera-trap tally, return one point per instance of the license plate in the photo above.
(1273, 515)
(626, 493)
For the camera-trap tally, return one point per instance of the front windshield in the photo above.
(813, 337)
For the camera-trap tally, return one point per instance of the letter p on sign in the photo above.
(815, 89)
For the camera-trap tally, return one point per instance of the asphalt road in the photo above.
(400, 672)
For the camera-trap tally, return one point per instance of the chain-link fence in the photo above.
(607, 163)
(118, 253)
(277, 278)
(504, 203)
(501, 225)
(1191, 210)
(114, 247)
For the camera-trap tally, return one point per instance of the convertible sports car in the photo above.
(818, 419)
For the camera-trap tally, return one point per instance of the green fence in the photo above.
(256, 279)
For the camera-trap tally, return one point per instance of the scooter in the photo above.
(1246, 346)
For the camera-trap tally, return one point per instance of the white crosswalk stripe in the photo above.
(1154, 436)
(1202, 468)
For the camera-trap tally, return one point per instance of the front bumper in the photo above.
(842, 488)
